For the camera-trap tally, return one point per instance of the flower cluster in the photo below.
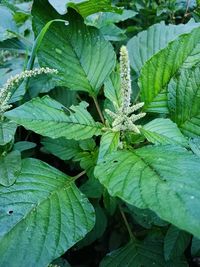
(124, 117)
(5, 91)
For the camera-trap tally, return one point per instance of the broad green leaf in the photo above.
(175, 243)
(112, 89)
(84, 7)
(82, 56)
(109, 143)
(46, 117)
(10, 166)
(7, 132)
(97, 231)
(164, 179)
(163, 131)
(136, 254)
(149, 42)
(158, 70)
(184, 101)
(43, 212)
(61, 147)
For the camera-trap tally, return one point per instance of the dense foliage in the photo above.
(99, 133)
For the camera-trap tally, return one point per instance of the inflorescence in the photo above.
(5, 91)
(124, 117)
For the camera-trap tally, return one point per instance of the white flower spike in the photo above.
(5, 91)
(123, 119)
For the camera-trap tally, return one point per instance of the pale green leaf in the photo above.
(184, 101)
(42, 215)
(10, 166)
(82, 56)
(163, 131)
(24, 145)
(109, 143)
(164, 179)
(157, 71)
(149, 42)
(194, 144)
(61, 147)
(46, 117)
(175, 242)
(112, 89)
(7, 132)
(84, 7)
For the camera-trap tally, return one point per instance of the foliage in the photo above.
(99, 133)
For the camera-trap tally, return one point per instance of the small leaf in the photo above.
(109, 143)
(43, 212)
(46, 117)
(23, 146)
(195, 248)
(163, 131)
(10, 166)
(61, 147)
(112, 89)
(184, 101)
(175, 243)
(7, 132)
(164, 179)
(136, 254)
(84, 7)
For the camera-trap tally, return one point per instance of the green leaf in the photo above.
(136, 254)
(194, 144)
(164, 179)
(10, 166)
(145, 217)
(7, 23)
(84, 7)
(7, 132)
(61, 147)
(43, 212)
(195, 248)
(45, 116)
(82, 56)
(112, 89)
(97, 231)
(109, 143)
(184, 101)
(24, 145)
(149, 42)
(163, 131)
(158, 70)
(175, 243)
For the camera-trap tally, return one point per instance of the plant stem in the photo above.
(79, 175)
(98, 109)
(132, 237)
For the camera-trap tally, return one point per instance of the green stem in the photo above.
(79, 175)
(132, 237)
(98, 109)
